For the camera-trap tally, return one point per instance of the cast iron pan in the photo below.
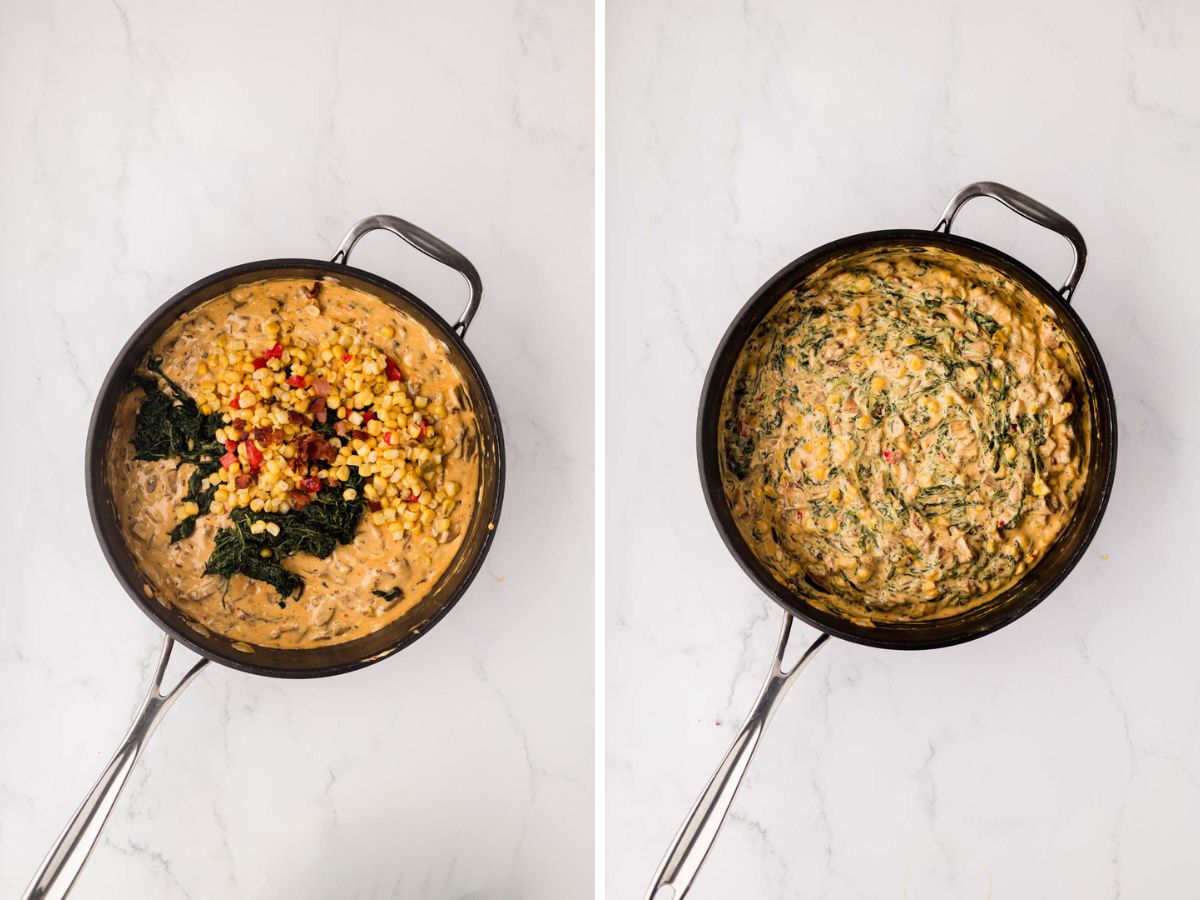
(66, 859)
(683, 860)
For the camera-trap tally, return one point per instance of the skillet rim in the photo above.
(96, 445)
(973, 624)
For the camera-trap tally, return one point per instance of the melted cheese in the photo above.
(900, 436)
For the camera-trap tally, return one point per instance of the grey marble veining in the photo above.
(1059, 757)
(144, 146)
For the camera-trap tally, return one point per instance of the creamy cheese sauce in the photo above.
(901, 436)
(337, 604)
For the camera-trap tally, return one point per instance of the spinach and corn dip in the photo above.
(900, 437)
(295, 464)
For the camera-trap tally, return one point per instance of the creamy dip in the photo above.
(900, 438)
(337, 603)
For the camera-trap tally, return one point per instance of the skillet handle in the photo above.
(66, 858)
(431, 246)
(695, 837)
(1033, 210)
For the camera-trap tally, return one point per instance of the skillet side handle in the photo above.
(66, 858)
(1033, 210)
(431, 246)
(695, 837)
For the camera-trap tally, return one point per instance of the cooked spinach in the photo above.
(390, 594)
(171, 426)
(316, 529)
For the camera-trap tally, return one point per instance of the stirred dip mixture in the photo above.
(900, 437)
(295, 465)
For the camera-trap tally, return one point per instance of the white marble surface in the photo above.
(1059, 757)
(145, 145)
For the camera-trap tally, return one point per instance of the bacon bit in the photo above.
(887, 455)
(297, 381)
(374, 505)
(253, 455)
(319, 410)
(313, 291)
(393, 370)
(298, 499)
(228, 460)
(268, 435)
(320, 449)
(312, 485)
(359, 435)
(342, 427)
(320, 387)
(296, 418)
(243, 481)
(743, 429)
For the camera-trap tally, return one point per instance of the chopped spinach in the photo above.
(315, 529)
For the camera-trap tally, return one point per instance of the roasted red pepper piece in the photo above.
(228, 460)
(297, 381)
(393, 370)
(253, 455)
(312, 485)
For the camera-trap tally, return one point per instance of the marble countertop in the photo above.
(1059, 757)
(146, 145)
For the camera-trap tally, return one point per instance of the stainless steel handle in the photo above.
(1031, 209)
(431, 246)
(66, 858)
(695, 837)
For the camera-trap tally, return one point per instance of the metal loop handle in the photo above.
(695, 837)
(431, 246)
(1034, 211)
(66, 858)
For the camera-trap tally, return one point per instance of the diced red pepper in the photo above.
(297, 381)
(253, 455)
(393, 371)
(312, 485)
(387, 437)
(1000, 524)
(887, 455)
(231, 446)
(275, 352)
(411, 498)
(368, 415)
(233, 402)
(421, 433)
(345, 357)
(228, 460)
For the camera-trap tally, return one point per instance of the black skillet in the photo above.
(683, 860)
(66, 859)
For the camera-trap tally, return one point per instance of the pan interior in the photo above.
(1097, 415)
(321, 660)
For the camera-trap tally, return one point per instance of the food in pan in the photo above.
(901, 436)
(295, 465)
